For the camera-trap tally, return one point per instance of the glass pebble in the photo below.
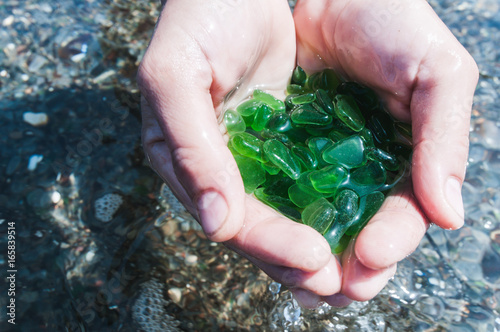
(316, 159)
(282, 157)
(319, 214)
(273, 102)
(234, 122)
(348, 111)
(248, 146)
(348, 152)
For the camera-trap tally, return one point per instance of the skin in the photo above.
(206, 56)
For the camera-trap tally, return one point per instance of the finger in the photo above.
(178, 89)
(338, 300)
(324, 282)
(361, 283)
(276, 240)
(440, 111)
(394, 232)
(158, 154)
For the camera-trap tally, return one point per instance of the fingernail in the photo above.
(305, 298)
(338, 300)
(454, 195)
(212, 210)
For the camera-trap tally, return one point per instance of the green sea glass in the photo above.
(302, 196)
(328, 179)
(252, 174)
(280, 123)
(308, 114)
(372, 203)
(320, 215)
(348, 111)
(234, 122)
(249, 107)
(306, 156)
(262, 116)
(282, 157)
(248, 146)
(349, 153)
(273, 102)
(324, 101)
(299, 76)
(314, 158)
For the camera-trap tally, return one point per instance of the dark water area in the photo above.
(102, 245)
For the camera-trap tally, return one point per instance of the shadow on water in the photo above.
(74, 270)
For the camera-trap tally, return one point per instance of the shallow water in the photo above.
(82, 266)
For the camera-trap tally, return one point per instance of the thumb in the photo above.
(184, 142)
(441, 106)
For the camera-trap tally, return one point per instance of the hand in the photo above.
(403, 51)
(200, 52)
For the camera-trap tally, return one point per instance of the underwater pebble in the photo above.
(175, 294)
(34, 161)
(106, 206)
(36, 119)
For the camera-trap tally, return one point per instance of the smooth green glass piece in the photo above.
(341, 245)
(373, 202)
(297, 134)
(313, 81)
(262, 117)
(282, 157)
(320, 130)
(296, 89)
(272, 200)
(234, 122)
(318, 145)
(340, 133)
(289, 212)
(280, 122)
(346, 203)
(328, 179)
(348, 111)
(388, 160)
(268, 134)
(329, 80)
(403, 132)
(302, 99)
(248, 107)
(324, 101)
(382, 127)
(299, 76)
(279, 187)
(368, 178)
(306, 156)
(366, 135)
(320, 214)
(302, 196)
(365, 97)
(252, 174)
(288, 101)
(400, 150)
(273, 102)
(248, 145)
(305, 181)
(308, 114)
(270, 168)
(348, 152)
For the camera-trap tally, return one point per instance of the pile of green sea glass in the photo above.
(325, 156)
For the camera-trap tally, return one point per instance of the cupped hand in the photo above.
(403, 51)
(204, 56)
